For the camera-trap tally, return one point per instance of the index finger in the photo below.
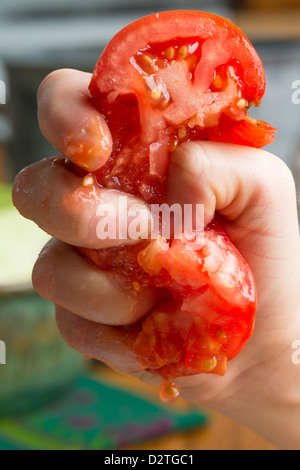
(69, 122)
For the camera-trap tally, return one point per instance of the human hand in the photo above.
(252, 191)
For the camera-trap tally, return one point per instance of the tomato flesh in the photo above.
(168, 108)
(166, 79)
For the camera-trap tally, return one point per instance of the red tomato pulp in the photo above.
(165, 79)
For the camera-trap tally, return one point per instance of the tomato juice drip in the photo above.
(169, 391)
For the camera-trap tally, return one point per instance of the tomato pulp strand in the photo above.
(166, 79)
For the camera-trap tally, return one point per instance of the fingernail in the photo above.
(90, 145)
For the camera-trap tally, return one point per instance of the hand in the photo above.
(254, 194)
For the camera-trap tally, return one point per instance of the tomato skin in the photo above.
(165, 79)
(111, 73)
(249, 132)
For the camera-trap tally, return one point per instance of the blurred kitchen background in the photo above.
(47, 397)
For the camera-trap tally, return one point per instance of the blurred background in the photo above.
(51, 397)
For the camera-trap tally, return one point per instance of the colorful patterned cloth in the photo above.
(94, 415)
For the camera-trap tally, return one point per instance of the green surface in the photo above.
(93, 415)
(5, 196)
(20, 243)
(38, 362)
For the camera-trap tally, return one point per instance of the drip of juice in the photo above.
(169, 391)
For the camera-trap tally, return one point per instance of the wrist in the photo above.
(267, 396)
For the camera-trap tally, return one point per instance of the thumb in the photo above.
(251, 189)
(254, 193)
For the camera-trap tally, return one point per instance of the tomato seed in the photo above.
(136, 285)
(242, 103)
(170, 53)
(88, 180)
(156, 94)
(210, 364)
(183, 52)
(218, 83)
(181, 133)
(221, 334)
(147, 60)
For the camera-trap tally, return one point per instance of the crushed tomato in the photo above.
(163, 80)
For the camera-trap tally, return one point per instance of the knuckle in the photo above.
(50, 82)
(276, 178)
(282, 170)
(47, 83)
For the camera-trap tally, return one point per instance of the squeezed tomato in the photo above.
(165, 79)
